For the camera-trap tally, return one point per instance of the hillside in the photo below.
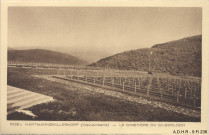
(180, 57)
(43, 56)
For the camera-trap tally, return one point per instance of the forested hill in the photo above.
(179, 57)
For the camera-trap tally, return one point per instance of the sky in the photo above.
(92, 33)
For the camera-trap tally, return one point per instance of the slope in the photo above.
(180, 57)
(43, 56)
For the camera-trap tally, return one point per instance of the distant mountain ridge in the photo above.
(44, 56)
(179, 57)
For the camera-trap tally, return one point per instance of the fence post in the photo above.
(103, 81)
(161, 92)
(149, 85)
(178, 97)
(94, 80)
(113, 82)
(168, 84)
(190, 91)
(135, 86)
(195, 94)
(185, 94)
(158, 83)
(172, 85)
(123, 87)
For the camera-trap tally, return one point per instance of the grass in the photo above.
(75, 104)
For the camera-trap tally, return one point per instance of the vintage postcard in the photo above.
(104, 67)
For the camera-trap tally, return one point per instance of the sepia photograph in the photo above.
(73, 68)
(104, 64)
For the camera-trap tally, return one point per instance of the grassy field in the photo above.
(75, 103)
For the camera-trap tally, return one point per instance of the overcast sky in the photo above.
(96, 32)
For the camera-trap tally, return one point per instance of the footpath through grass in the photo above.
(77, 104)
